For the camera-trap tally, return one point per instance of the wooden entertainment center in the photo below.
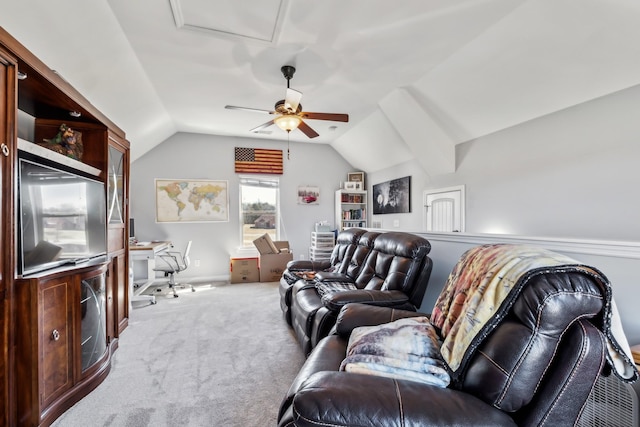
(60, 326)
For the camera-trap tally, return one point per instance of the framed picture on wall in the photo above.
(392, 196)
(356, 177)
(308, 195)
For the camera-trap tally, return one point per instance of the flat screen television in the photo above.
(62, 218)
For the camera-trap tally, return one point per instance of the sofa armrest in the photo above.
(329, 276)
(336, 300)
(307, 265)
(337, 399)
(354, 315)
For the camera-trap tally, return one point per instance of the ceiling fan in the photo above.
(289, 111)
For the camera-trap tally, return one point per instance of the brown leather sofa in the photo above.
(385, 269)
(534, 366)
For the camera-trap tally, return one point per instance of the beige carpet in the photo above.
(220, 356)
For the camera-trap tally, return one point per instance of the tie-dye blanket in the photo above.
(404, 349)
(486, 281)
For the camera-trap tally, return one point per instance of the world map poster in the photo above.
(185, 200)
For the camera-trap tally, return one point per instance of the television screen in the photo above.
(62, 216)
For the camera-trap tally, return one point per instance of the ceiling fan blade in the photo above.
(307, 130)
(325, 116)
(262, 126)
(254, 110)
(292, 100)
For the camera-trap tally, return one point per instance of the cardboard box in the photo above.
(244, 270)
(274, 257)
(265, 245)
(273, 265)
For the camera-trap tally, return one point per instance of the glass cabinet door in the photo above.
(92, 320)
(116, 186)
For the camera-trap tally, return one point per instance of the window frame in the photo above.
(244, 181)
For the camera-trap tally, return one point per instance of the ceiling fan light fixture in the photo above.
(288, 122)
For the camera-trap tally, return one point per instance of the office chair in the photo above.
(171, 263)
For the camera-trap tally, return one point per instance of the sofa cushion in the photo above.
(342, 399)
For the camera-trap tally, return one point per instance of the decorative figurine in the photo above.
(67, 142)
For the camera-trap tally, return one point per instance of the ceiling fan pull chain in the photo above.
(288, 158)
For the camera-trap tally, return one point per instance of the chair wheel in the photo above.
(175, 296)
(193, 290)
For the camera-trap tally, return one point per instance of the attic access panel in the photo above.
(249, 20)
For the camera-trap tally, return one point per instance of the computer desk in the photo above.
(144, 252)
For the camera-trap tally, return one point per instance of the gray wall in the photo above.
(620, 262)
(571, 174)
(199, 156)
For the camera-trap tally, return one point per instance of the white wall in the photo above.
(199, 156)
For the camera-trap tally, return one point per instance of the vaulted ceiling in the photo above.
(416, 77)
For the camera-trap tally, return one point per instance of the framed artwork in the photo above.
(392, 196)
(187, 200)
(356, 177)
(350, 185)
(308, 195)
(358, 185)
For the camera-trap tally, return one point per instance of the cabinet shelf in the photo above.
(37, 150)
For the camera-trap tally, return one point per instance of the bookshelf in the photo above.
(351, 209)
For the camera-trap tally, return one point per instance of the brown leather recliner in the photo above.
(386, 269)
(338, 262)
(535, 365)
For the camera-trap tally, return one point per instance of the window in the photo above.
(259, 209)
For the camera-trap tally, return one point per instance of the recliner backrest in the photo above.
(346, 243)
(507, 368)
(395, 263)
(361, 254)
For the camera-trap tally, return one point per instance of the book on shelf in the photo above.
(362, 223)
(351, 198)
(353, 214)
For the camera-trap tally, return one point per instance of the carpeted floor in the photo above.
(220, 356)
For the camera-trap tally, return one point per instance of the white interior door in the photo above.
(444, 209)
